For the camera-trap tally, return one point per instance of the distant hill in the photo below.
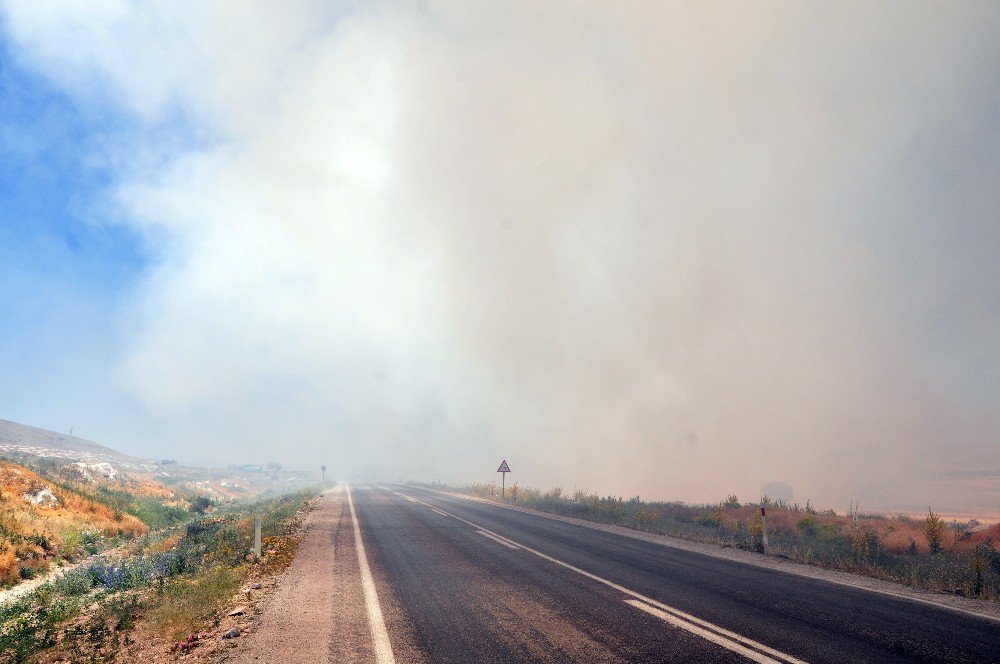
(98, 464)
(24, 439)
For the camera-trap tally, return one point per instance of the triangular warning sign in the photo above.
(504, 468)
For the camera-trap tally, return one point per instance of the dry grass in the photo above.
(71, 509)
(167, 543)
(188, 603)
(8, 562)
(896, 533)
(32, 535)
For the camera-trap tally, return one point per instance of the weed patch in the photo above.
(189, 602)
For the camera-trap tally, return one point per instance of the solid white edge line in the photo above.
(497, 539)
(726, 638)
(380, 636)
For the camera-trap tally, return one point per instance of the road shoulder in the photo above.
(316, 614)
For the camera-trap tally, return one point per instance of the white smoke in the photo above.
(412, 239)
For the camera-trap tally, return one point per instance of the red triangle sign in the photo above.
(504, 468)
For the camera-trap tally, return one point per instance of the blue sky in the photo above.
(65, 266)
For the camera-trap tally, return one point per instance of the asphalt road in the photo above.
(472, 582)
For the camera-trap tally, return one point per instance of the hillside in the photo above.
(41, 521)
(63, 497)
(73, 459)
(21, 438)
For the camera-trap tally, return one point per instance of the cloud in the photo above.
(670, 250)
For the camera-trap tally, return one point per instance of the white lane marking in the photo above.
(703, 633)
(413, 500)
(380, 636)
(722, 636)
(497, 539)
(508, 540)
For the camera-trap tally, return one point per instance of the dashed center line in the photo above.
(737, 643)
(703, 633)
(497, 539)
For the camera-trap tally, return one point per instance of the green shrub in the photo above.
(934, 531)
(200, 504)
(809, 526)
(150, 511)
(73, 583)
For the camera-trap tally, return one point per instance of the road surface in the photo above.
(439, 578)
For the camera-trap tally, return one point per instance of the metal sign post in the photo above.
(503, 470)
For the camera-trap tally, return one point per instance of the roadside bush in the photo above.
(200, 504)
(122, 575)
(808, 526)
(73, 583)
(865, 544)
(934, 528)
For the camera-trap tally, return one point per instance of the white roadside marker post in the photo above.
(763, 525)
(256, 537)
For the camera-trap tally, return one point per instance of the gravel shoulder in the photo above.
(317, 612)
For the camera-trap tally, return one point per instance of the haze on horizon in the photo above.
(677, 250)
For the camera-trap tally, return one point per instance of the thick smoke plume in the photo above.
(679, 251)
